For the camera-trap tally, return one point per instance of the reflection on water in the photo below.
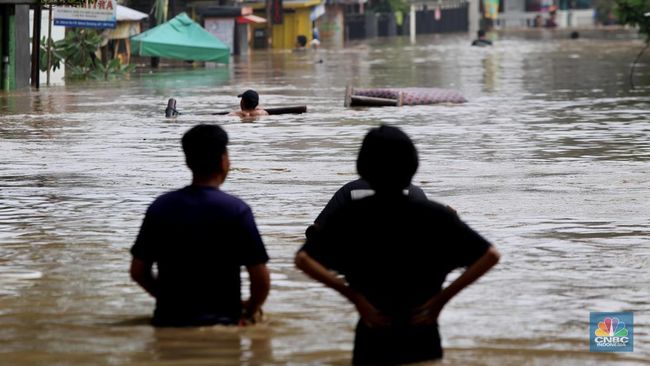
(549, 159)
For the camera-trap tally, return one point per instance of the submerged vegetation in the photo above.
(78, 52)
(635, 13)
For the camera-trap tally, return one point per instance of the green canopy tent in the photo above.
(180, 38)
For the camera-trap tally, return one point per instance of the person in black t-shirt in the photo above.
(356, 190)
(352, 191)
(481, 39)
(199, 237)
(394, 253)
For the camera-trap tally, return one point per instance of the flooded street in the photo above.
(549, 160)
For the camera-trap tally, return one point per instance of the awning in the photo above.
(183, 39)
(122, 13)
(317, 12)
(250, 19)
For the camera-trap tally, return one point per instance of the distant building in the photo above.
(522, 13)
(288, 21)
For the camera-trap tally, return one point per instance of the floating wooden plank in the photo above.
(171, 110)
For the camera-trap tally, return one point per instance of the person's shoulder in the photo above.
(168, 196)
(482, 42)
(431, 207)
(261, 112)
(355, 184)
(231, 202)
(356, 190)
(416, 192)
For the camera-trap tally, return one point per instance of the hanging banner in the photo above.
(90, 14)
(277, 13)
(491, 9)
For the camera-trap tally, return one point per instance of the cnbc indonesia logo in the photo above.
(611, 333)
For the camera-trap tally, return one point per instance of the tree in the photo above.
(633, 12)
(636, 13)
(605, 11)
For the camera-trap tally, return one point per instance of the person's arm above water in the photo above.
(253, 256)
(259, 289)
(369, 314)
(142, 273)
(429, 312)
(144, 251)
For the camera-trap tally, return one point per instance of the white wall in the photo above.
(58, 33)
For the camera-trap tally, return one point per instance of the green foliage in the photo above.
(99, 71)
(79, 47)
(55, 58)
(159, 10)
(605, 11)
(78, 52)
(633, 12)
(390, 6)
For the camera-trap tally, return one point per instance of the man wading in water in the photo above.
(249, 105)
(199, 237)
(394, 253)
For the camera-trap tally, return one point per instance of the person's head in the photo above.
(387, 159)
(481, 33)
(205, 150)
(249, 100)
(301, 41)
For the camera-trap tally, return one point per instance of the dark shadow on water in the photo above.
(214, 345)
(137, 321)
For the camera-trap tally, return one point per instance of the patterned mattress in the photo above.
(414, 96)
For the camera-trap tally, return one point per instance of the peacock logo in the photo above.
(611, 327)
(611, 332)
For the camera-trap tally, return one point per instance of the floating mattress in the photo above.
(401, 96)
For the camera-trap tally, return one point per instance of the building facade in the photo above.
(14, 44)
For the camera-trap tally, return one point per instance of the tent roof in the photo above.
(127, 14)
(183, 39)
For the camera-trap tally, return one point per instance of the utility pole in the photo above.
(269, 23)
(412, 27)
(474, 18)
(36, 47)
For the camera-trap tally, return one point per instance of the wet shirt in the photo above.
(481, 42)
(355, 190)
(199, 237)
(395, 250)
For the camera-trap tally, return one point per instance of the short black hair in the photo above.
(301, 40)
(481, 33)
(249, 99)
(204, 146)
(387, 159)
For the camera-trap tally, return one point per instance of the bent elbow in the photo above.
(136, 274)
(494, 255)
(300, 259)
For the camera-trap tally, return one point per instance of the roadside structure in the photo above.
(14, 44)
(522, 13)
(288, 20)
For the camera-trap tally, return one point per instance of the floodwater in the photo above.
(549, 159)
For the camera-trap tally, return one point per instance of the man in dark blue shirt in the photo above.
(394, 253)
(199, 237)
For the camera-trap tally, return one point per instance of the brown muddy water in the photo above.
(549, 159)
